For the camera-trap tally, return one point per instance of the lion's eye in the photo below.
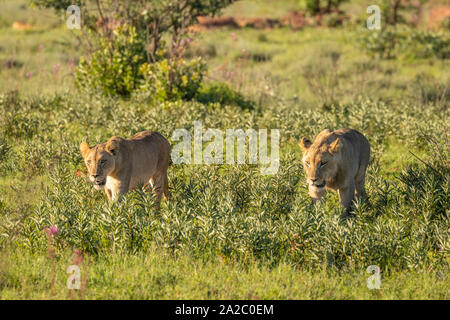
(102, 161)
(307, 163)
(323, 163)
(89, 162)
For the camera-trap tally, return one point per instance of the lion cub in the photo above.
(119, 165)
(336, 160)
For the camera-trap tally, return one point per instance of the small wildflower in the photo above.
(41, 47)
(51, 231)
(29, 75)
(71, 64)
(54, 230)
(56, 69)
(233, 36)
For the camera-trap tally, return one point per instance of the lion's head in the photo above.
(100, 160)
(320, 160)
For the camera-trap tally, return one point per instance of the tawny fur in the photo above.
(120, 165)
(338, 161)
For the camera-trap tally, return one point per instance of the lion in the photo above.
(338, 161)
(120, 165)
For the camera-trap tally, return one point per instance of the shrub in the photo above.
(218, 92)
(410, 43)
(381, 43)
(426, 44)
(114, 69)
(320, 6)
(171, 79)
(428, 90)
(132, 34)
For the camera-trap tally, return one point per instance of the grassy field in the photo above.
(228, 232)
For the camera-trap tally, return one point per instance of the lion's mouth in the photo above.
(99, 184)
(319, 185)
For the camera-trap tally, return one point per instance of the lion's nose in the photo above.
(95, 176)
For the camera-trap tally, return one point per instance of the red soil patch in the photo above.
(437, 15)
(295, 20)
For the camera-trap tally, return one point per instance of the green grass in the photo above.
(227, 232)
(157, 275)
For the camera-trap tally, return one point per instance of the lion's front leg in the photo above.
(118, 188)
(346, 195)
(108, 193)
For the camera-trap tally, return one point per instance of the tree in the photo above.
(153, 18)
(123, 36)
(322, 6)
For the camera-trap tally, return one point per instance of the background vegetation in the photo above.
(228, 232)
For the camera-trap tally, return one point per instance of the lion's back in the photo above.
(150, 143)
(359, 144)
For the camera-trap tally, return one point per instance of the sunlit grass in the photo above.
(227, 232)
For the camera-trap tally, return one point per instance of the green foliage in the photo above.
(61, 5)
(394, 12)
(321, 73)
(410, 43)
(227, 232)
(320, 6)
(426, 89)
(381, 43)
(136, 38)
(159, 275)
(426, 44)
(232, 211)
(114, 67)
(171, 79)
(219, 92)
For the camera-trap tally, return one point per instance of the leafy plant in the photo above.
(391, 42)
(138, 37)
(172, 79)
(114, 70)
(219, 92)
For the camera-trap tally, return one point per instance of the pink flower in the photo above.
(182, 43)
(29, 75)
(188, 40)
(233, 36)
(41, 47)
(52, 231)
(56, 69)
(71, 64)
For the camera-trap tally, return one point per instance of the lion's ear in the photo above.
(84, 148)
(305, 143)
(113, 145)
(335, 146)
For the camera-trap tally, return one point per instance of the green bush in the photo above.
(114, 68)
(133, 33)
(171, 79)
(320, 6)
(426, 44)
(219, 92)
(380, 43)
(397, 41)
